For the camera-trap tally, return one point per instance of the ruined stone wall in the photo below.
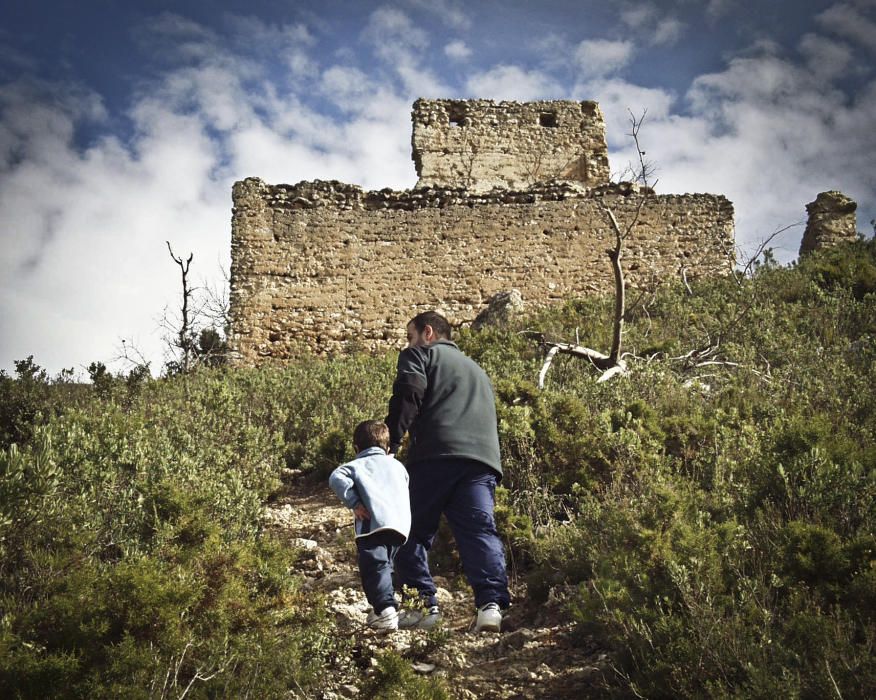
(831, 222)
(481, 144)
(327, 266)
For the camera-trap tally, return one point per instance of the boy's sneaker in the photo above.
(385, 621)
(489, 618)
(421, 618)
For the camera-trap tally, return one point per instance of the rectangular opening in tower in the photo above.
(456, 115)
(548, 119)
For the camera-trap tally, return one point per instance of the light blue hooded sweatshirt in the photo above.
(380, 483)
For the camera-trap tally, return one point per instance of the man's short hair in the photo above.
(432, 318)
(371, 433)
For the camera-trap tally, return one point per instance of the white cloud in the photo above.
(826, 58)
(457, 50)
(718, 8)
(402, 46)
(512, 83)
(85, 232)
(449, 12)
(392, 33)
(345, 86)
(600, 57)
(765, 132)
(847, 21)
(668, 31)
(553, 52)
(651, 25)
(84, 229)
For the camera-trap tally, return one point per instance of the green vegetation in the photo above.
(715, 522)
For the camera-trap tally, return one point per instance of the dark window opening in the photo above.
(547, 119)
(456, 115)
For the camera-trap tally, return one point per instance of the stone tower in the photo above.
(480, 145)
(831, 221)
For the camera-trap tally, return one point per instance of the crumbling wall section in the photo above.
(482, 144)
(831, 222)
(326, 266)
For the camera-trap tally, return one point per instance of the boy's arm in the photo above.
(341, 482)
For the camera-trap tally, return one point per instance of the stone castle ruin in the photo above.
(831, 222)
(510, 196)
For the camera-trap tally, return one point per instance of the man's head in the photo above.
(371, 433)
(426, 328)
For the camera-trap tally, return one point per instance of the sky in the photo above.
(124, 124)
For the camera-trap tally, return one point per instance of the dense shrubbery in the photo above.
(715, 523)
(722, 516)
(131, 558)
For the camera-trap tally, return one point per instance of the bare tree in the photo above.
(646, 170)
(198, 335)
(642, 172)
(184, 341)
(613, 363)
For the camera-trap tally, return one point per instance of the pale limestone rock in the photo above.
(501, 308)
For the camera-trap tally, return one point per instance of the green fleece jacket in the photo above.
(445, 401)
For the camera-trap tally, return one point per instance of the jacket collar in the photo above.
(371, 451)
(444, 341)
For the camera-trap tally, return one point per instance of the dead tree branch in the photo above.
(646, 167)
(185, 342)
(746, 271)
(619, 293)
(613, 363)
(683, 271)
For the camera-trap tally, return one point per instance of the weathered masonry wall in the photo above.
(326, 266)
(481, 144)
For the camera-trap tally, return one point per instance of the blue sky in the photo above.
(124, 124)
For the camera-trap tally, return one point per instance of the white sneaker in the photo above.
(385, 621)
(422, 618)
(489, 618)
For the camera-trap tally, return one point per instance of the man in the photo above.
(445, 401)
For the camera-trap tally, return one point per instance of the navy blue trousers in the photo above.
(376, 553)
(465, 491)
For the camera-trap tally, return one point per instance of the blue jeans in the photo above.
(376, 553)
(464, 490)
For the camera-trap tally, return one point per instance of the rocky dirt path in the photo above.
(533, 657)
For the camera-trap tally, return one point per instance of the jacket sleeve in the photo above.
(342, 483)
(408, 390)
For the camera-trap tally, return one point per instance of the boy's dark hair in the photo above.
(371, 433)
(432, 318)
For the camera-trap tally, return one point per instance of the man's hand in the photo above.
(361, 512)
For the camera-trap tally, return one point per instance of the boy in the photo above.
(375, 486)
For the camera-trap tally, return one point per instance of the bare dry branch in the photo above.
(684, 280)
(619, 368)
(546, 366)
(646, 167)
(746, 271)
(185, 341)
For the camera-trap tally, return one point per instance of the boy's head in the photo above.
(371, 433)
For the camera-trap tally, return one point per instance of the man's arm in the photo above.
(407, 396)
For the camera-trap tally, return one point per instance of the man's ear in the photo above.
(428, 332)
